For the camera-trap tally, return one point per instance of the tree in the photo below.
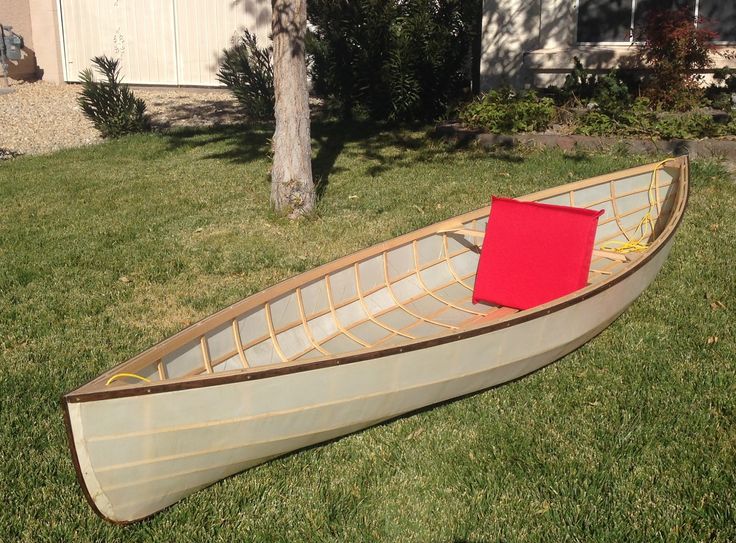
(292, 187)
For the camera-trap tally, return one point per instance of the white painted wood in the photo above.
(162, 42)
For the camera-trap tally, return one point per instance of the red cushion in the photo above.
(533, 253)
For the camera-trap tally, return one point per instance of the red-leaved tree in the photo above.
(675, 47)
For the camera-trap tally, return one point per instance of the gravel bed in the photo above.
(39, 117)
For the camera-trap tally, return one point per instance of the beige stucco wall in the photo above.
(17, 13)
(47, 42)
(37, 22)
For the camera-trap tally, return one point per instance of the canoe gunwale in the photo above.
(282, 368)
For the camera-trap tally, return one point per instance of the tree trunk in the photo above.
(292, 188)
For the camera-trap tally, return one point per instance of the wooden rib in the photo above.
(593, 203)
(449, 263)
(493, 314)
(656, 191)
(616, 217)
(292, 324)
(627, 214)
(432, 294)
(272, 333)
(161, 370)
(399, 304)
(239, 344)
(303, 315)
(367, 311)
(610, 255)
(572, 198)
(205, 354)
(334, 314)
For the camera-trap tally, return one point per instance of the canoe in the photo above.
(365, 338)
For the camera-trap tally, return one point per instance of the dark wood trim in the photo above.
(75, 461)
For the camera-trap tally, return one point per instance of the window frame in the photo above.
(631, 40)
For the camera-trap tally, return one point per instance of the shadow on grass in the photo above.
(383, 146)
(379, 147)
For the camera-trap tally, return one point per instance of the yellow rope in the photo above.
(638, 244)
(119, 375)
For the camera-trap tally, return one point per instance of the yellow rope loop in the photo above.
(645, 226)
(121, 375)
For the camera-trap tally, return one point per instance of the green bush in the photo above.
(610, 92)
(505, 111)
(641, 120)
(687, 126)
(594, 123)
(392, 59)
(247, 71)
(110, 104)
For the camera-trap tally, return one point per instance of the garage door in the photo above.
(158, 42)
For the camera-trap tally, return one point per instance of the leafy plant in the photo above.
(247, 70)
(110, 104)
(594, 123)
(609, 92)
(505, 111)
(686, 126)
(393, 59)
(675, 45)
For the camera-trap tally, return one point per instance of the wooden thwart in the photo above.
(611, 255)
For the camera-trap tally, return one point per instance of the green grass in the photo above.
(630, 438)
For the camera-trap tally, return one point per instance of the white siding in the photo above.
(165, 42)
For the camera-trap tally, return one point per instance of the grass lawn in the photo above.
(106, 250)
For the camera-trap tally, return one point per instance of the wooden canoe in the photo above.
(382, 332)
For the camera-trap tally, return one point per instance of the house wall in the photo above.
(17, 13)
(532, 43)
(36, 21)
(47, 41)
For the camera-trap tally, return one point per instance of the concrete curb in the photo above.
(706, 148)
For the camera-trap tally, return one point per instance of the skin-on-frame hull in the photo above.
(368, 337)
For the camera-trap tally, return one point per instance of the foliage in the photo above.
(675, 45)
(594, 123)
(507, 111)
(727, 76)
(110, 104)
(247, 70)
(642, 120)
(395, 59)
(609, 93)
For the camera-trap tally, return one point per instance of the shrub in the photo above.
(675, 45)
(110, 104)
(505, 111)
(247, 71)
(594, 123)
(609, 92)
(393, 59)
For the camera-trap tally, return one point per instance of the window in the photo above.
(617, 21)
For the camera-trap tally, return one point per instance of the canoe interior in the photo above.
(415, 287)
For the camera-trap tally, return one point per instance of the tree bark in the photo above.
(292, 187)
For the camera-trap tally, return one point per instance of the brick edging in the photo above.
(705, 148)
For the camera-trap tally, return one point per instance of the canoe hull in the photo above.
(137, 455)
